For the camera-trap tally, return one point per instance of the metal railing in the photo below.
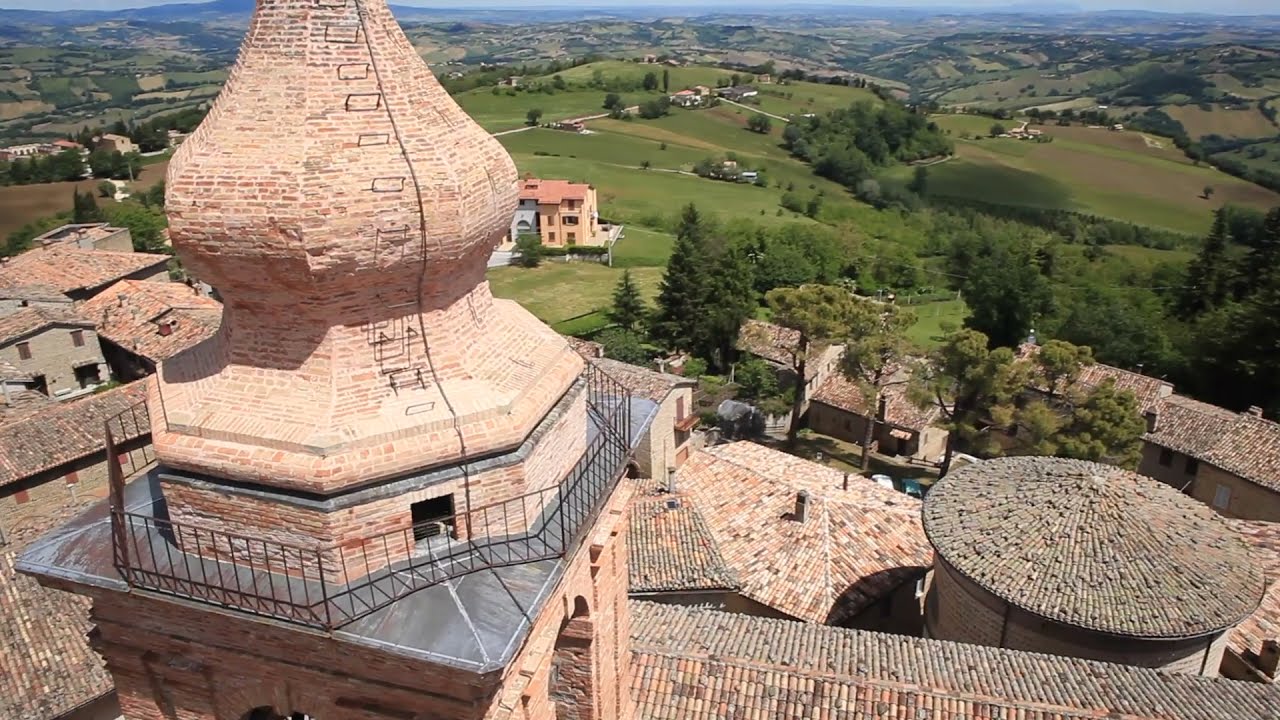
(331, 585)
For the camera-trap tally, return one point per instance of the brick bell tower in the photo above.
(381, 492)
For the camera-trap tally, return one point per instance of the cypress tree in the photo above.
(680, 297)
(1209, 275)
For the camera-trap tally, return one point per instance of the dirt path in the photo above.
(755, 110)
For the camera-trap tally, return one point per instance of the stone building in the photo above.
(142, 324)
(1075, 558)
(839, 409)
(55, 352)
(670, 437)
(778, 346)
(380, 491)
(562, 213)
(62, 273)
(88, 236)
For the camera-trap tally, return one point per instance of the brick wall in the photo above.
(960, 611)
(30, 507)
(172, 659)
(378, 533)
(54, 354)
(1246, 500)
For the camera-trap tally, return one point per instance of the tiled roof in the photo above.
(21, 403)
(771, 342)
(691, 664)
(8, 371)
(1249, 449)
(585, 348)
(129, 314)
(30, 320)
(1093, 546)
(842, 393)
(65, 432)
(1147, 391)
(48, 667)
(39, 293)
(552, 192)
(643, 382)
(671, 548)
(1264, 623)
(854, 547)
(65, 268)
(1189, 426)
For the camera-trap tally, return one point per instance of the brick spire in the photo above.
(344, 206)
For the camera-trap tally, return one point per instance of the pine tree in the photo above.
(680, 297)
(729, 301)
(629, 311)
(1209, 275)
(84, 208)
(666, 81)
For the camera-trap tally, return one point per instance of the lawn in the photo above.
(560, 291)
(933, 320)
(1127, 176)
(640, 247)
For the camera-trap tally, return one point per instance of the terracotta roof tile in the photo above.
(48, 667)
(586, 348)
(854, 547)
(21, 403)
(842, 393)
(1189, 426)
(66, 269)
(65, 432)
(643, 382)
(671, 548)
(30, 320)
(1250, 449)
(1147, 391)
(1264, 623)
(771, 342)
(129, 314)
(691, 664)
(1093, 546)
(552, 192)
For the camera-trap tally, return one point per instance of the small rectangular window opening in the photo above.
(432, 517)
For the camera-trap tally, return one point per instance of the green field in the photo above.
(557, 292)
(1127, 175)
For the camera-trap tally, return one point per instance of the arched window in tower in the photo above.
(573, 665)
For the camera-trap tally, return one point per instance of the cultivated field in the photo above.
(21, 204)
(1127, 176)
(1248, 123)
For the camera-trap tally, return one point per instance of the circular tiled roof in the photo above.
(1093, 546)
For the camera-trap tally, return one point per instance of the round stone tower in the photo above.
(1076, 558)
(344, 207)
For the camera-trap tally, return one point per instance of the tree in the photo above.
(146, 224)
(997, 130)
(759, 123)
(729, 301)
(612, 100)
(1208, 192)
(1210, 275)
(919, 181)
(819, 315)
(529, 251)
(683, 287)
(623, 345)
(107, 189)
(558, 83)
(650, 82)
(1005, 293)
(655, 108)
(973, 387)
(84, 208)
(814, 206)
(876, 351)
(629, 311)
(666, 80)
(532, 117)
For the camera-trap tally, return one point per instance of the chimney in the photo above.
(1269, 658)
(802, 506)
(166, 328)
(846, 481)
(1255, 411)
(671, 481)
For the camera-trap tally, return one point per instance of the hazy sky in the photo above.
(1219, 6)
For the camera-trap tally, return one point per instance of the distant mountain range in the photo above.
(233, 10)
